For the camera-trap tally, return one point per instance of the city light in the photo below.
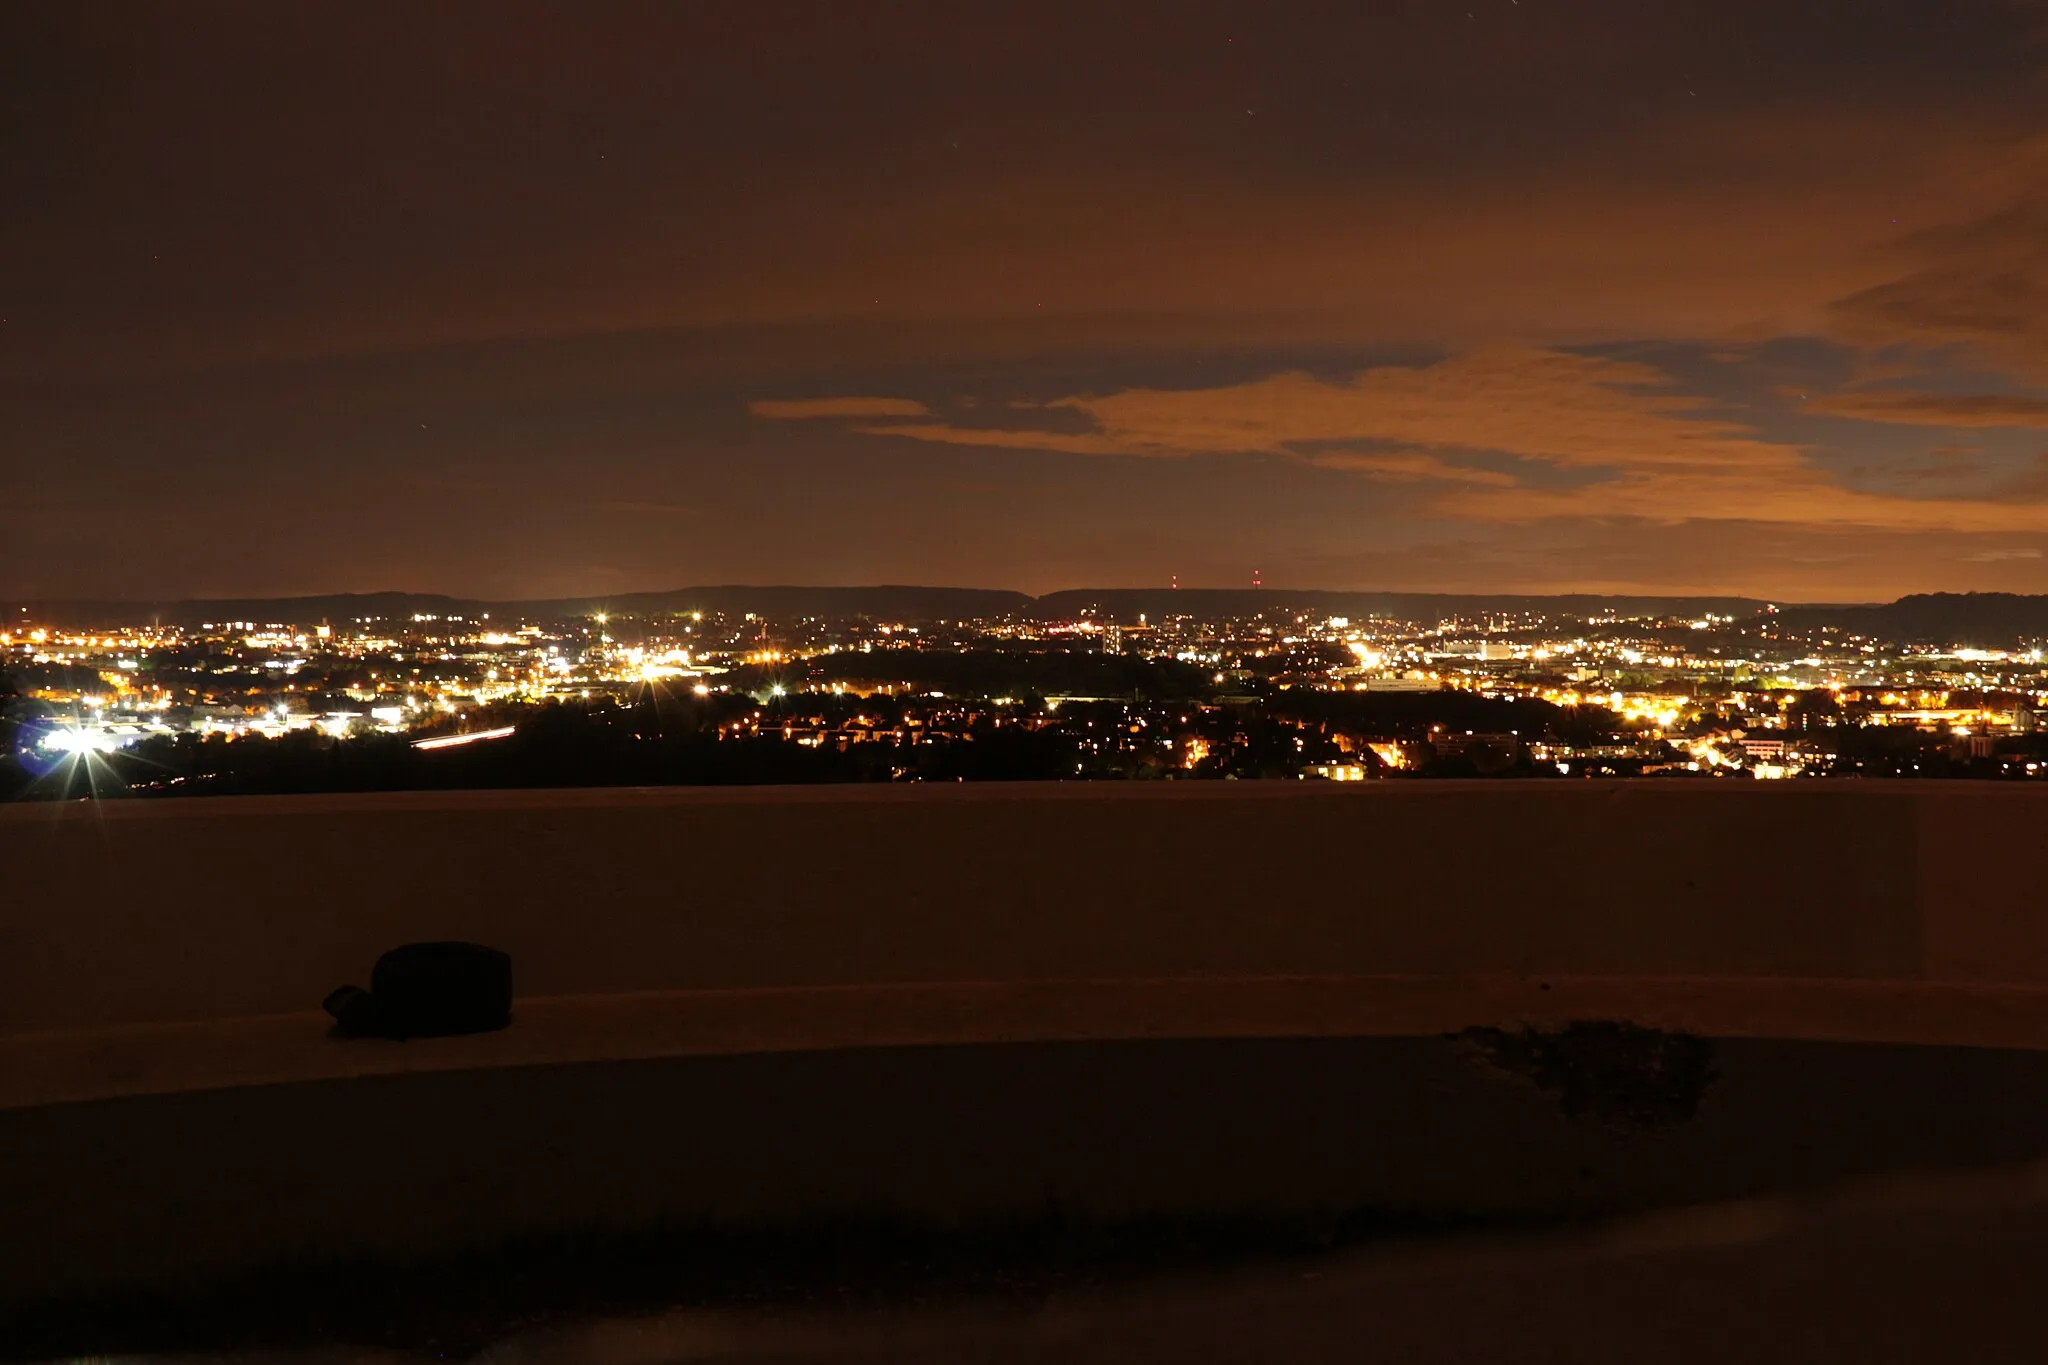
(1675, 696)
(474, 737)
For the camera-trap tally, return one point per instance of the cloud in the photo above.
(787, 409)
(1932, 409)
(1806, 498)
(1068, 442)
(666, 509)
(1947, 463)
(1572, 410)
(2000, 556)
(1403, 466)
(1980, 284)
(1637, 449)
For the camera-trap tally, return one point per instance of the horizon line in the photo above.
(25, 603)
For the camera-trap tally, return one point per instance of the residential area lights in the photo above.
(1706, 695)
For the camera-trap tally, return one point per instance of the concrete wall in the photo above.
(202, 909)
(981, 1002)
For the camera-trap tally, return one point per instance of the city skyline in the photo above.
(935, 686)
(1938, 615)
(524, 302)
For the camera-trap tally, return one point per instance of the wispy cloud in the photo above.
(1806, 498)
(800, 408)
(665, 509)
(1635, 446)
(1573, 410)
(1932, 409)
(1407, 466)
(1980, 284)
(1068, 442)
(1946, 463)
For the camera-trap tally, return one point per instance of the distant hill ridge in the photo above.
(1988, 619)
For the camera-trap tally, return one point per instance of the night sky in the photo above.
(523, 300)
